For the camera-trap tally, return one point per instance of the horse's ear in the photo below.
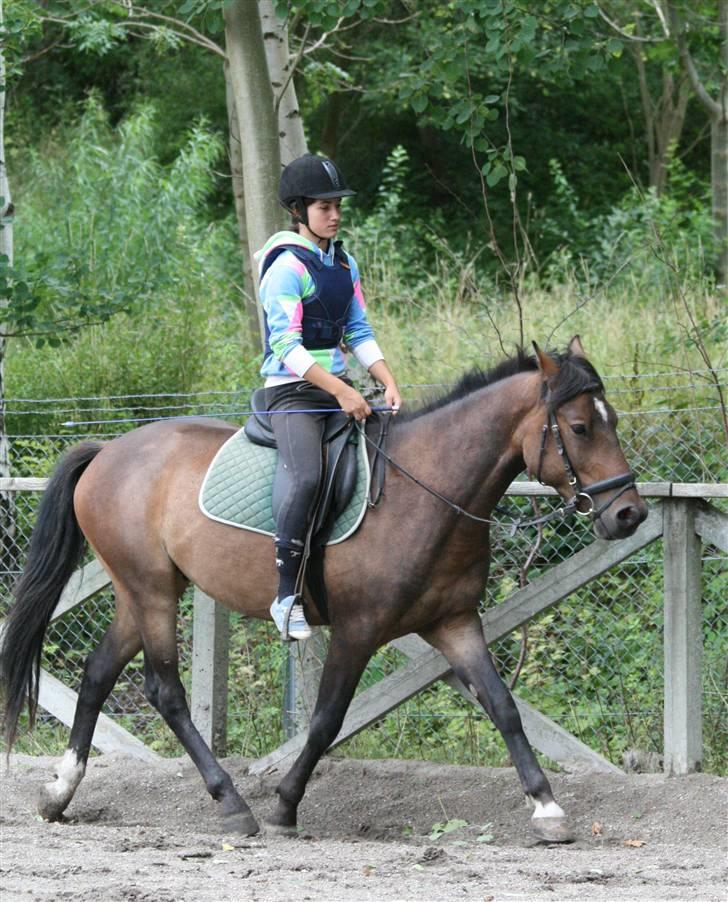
(548, 366)
(576, 348)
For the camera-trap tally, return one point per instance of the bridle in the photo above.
(622, 483)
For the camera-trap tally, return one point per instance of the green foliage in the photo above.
(442, 829)
(258, 662)
(386, 235)
(325, 15)
(126, 232)
(95, 35)
(21, 25)
(456, 66)
(48, 737)
(645, 235)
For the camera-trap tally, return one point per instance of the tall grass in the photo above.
(434, 324)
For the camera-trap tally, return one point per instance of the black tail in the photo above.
(56, 549)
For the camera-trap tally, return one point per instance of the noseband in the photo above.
(582, 493)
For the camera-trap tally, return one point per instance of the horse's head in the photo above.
(570, 442)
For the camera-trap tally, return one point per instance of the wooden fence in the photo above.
(680, 514)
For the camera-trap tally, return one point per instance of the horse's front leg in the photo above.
(461, 640)
(345, 662)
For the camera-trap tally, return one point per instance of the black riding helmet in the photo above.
(310, 176)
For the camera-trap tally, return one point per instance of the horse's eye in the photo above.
(579, 429)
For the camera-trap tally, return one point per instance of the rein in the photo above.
(623, 483)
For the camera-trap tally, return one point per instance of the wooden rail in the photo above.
(516, 489)
(681, 517)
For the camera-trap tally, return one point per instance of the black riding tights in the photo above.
(299, 468)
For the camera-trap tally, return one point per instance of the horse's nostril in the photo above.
(628, 515)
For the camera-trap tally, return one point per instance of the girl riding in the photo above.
(313, 303)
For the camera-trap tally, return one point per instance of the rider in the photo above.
(313, 303)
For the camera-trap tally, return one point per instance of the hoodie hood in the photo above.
(285, 238)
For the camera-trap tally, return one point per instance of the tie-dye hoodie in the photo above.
(283, 289)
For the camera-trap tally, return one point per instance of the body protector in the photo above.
(326, 311)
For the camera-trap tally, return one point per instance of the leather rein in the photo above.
(582, 493)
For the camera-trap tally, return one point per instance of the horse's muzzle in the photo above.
(621, 520)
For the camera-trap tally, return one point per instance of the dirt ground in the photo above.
(150, 832)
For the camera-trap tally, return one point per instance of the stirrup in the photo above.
(288, 615)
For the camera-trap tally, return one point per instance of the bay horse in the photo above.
(418, 563)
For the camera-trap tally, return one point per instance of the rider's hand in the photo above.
(353, 403)
(392, 397)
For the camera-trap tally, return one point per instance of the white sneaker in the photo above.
(288, 616)
(298, 628)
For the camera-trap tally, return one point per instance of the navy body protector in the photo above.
(326, 311)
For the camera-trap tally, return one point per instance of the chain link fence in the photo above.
(594, 663)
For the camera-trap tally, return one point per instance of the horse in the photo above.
(417, 564)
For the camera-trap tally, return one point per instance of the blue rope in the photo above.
(72, 424)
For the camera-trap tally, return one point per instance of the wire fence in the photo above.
(594, 664)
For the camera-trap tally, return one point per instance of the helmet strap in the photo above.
(298, 209)
(302, 217)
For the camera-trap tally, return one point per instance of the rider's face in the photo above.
(324, 217)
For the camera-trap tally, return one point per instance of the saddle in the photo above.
(338, 479)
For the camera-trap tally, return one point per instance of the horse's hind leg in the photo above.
(103, 666)
(461, 641)
(164, 690)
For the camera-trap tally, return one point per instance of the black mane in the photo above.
(576, 375)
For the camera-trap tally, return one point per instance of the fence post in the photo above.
(305, 664)
(210, 656)
(683, 639)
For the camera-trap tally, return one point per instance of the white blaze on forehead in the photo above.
(601, 409)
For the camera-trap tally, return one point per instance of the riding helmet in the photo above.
(311, 176)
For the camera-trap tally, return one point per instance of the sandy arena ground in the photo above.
(150, 832)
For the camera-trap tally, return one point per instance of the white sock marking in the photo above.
(69, 774)
(550, 809)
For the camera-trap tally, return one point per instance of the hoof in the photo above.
(50, 806)
(273, 829)
(241, 822)
(552, 829)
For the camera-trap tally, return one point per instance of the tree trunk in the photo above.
(664, 120)
(670, 118)
(719, 181)
(250, 304)
(290, 124)
(7, 506)
(253, 99)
